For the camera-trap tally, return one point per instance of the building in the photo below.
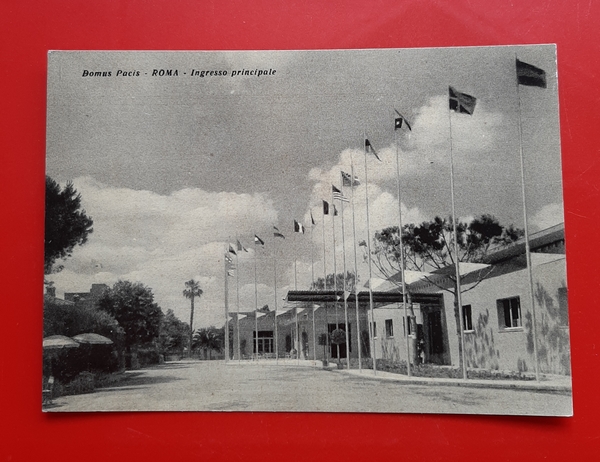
(497, 316)
(87, 299)
(497, 312)
(301, 332)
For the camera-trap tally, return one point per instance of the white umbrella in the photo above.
(93, 339)
(56, 342)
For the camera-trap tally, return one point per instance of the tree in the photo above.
(67, 225)
(209, 339)
(173, 335)
(351, 282)
(132, 305)
(192, 291)
(430, 246)
(61, 318)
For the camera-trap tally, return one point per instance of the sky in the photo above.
(174, 168)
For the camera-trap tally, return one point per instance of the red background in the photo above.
(28, 29)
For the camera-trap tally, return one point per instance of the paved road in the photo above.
(216, 386)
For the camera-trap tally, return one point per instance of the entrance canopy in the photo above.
(379, 298)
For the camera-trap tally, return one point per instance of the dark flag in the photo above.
(240, 247)
(362, 243)
(277, 233)
(258, 240)
(337, 194)
(298, 227)
(335, 213)
(530, 76)
(399, 121)
(369, 148)
(232, 250)
(312, 220)
(461, 102)
(347, 180)
(325, 208)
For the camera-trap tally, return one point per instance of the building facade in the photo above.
(497, 313)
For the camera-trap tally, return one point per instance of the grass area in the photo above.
(440, 372)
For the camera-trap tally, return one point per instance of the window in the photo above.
(265, 341)
(410, 323)
(509, 313)
(467, 318)
(563, 312)
(389, 328)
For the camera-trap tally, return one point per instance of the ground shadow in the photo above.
(136, 379)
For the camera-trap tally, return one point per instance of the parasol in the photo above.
(92, 339)
(55, 342)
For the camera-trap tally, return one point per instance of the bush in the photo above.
(148, 355)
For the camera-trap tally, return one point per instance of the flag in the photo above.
(362, 243)
(347, 180)
(312, 220)
(530, 76)
(240, 247)
(369, 148)
(230, 273)
(399, 121)
(258, 240)
(337, 194)
(461, 102)
(228, 259)
(298, 227)
(346, 295)
(231, 249)
(325, 208)
(335, 213)
(277, 233)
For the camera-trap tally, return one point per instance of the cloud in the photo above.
(162, 241)
(549, 215)
(430, 137)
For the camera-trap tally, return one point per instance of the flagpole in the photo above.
(374, 351)
(255, 308)
(275, 319)
(456, 263)
(227, 358)
(358, 333)
(312, 273)
(325, 289)
(237, 288)
(337, 346)
(527, 246)
(404, 298)
(296, 288)
(345, 298)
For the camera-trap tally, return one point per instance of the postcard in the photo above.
(310, 231)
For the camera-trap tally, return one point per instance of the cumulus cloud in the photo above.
(162, 241)
(430, 137)
(549, 215)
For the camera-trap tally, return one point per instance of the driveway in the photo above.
(264, 386)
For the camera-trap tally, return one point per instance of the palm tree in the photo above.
(209, 339)
(192, 291)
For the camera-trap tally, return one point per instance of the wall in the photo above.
(286, 325)
(491, 347)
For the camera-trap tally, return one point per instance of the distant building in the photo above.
(87, 299)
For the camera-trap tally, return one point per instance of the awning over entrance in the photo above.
(330, 296)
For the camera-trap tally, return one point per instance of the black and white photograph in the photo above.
(375, 230)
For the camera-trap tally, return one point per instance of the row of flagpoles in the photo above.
(460, 103)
